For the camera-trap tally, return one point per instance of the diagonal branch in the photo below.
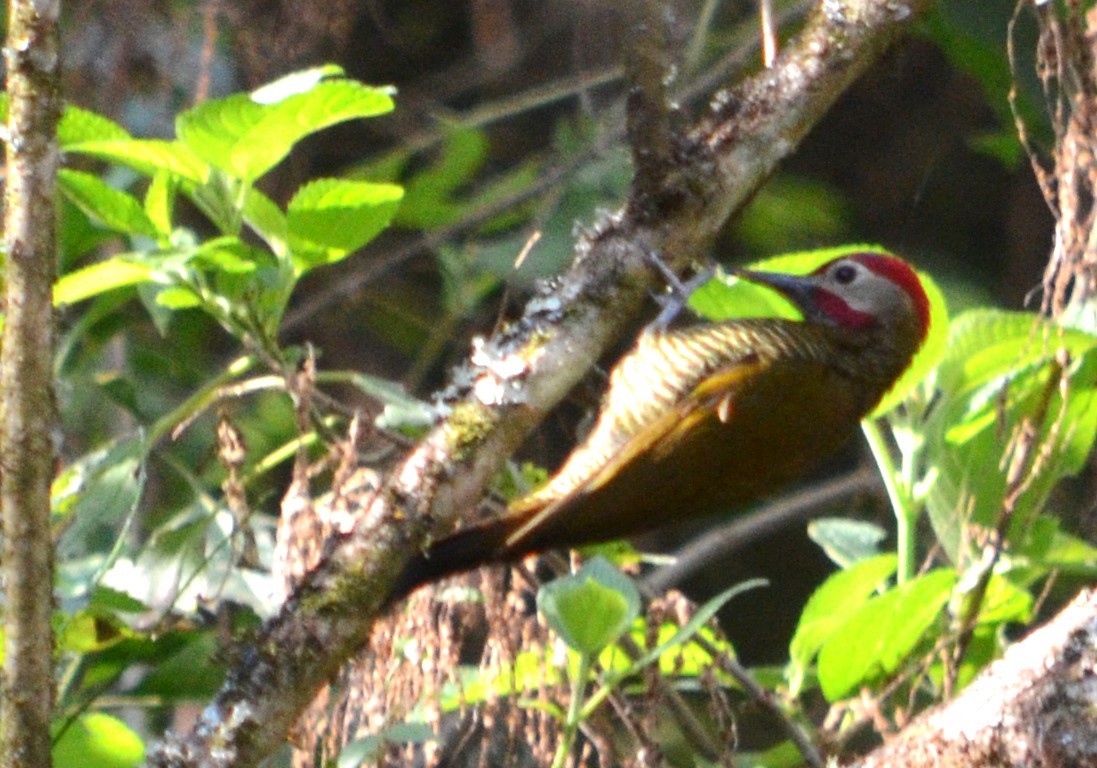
(512, 380)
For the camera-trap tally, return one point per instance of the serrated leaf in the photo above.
(329, 218)
(148, 156)
(878, 637)
(95, 279)
(246, 138)
(111, 207)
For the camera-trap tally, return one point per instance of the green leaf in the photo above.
(267, 221)
(194, 671)
(148, 156)
(431, 200)
(686, 632)
(1000, 368)
(846, 541)
(99, 740)
(160, 202)
(176, 297)
(109, 275)
(830, 606)
(246, 137)
(881, 633)
(329, 218)
(592, 608)
(111, 601)
(112, 207)
(230, 254)
(1004, 602)
(79, 125)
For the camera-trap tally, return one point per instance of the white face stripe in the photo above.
(863, 290)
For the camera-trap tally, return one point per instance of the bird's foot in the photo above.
(677, 297)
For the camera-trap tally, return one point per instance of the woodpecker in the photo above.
(714, 416)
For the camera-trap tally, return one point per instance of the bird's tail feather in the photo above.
(461, 551)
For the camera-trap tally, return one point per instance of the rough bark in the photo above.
(1034, 708)
(28, 427)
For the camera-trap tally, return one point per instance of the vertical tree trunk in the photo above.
(28, 427)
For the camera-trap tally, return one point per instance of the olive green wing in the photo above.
(534, 525)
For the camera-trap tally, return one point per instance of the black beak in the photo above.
(799, 289)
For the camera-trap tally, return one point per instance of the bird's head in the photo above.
(858, 292)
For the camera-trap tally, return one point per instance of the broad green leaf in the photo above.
(830, 606)
(329, 218)
(148, 156)
(878, 637)
(78, 125)
(246, 138)
(109, 275)
(78, 237)
(1048, 547)
(99, 740)
(592, 608)
(432, 194)
(112, 207)
(194, 671)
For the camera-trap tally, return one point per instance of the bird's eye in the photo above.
(845, 274)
